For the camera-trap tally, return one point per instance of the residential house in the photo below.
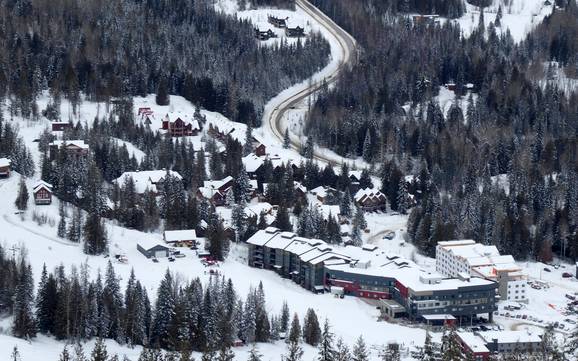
(323, 193)
(473, 347)
(264, 35)
(277, 22)
(42, 192)
(216, 191)
(151, 180)
(296, 32)
(73, 148)
(179, 238)
(5, 167)
(179, 125)
(370, 199)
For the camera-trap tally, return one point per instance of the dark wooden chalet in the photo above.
(264, 35)
(180, 128)
(42, 192)
(277, 22)
(295, 32)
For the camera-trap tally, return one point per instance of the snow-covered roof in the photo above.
(473, 342)
(216, 184)
(367, 193)
(355, 173)
(510, 337)
(146, 179)
(41, 184)
(253, 210)
(252, 162)
(325, 210)
(185, 117)
(5, 162)
(77, 143)
(180, 235)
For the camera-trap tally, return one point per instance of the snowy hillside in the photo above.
(518, 16)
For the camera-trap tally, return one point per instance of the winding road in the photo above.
(273, 116)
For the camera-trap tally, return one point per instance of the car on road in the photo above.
(389, 235)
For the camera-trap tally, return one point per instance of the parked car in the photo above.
(567, 275)
(155, 260)
(389, 235)
(570, 297)
(547, 269)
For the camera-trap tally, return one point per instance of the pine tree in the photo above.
(285, 316)
(311, 329)
(360, 352)
(162, 97)
(282, 220)
(79, 353)
(286, 139)
(451, 350)
(65, 356)
(164, 311)
(294, 351)
(61, 232)
(326, 349)
(22, 198)
(99, 352)
(24, 323)
(345, 204)
(254, 354)
(94, 234)
(390, 352)
(403, 201)
(342, 353)
(366, 153)
(225, 354)
(248, 145)
(295, 330)
(427, 353)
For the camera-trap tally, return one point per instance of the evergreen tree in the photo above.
(24, 323)
(282, 220)
(403, 201)
(360, 352)
(294, 351)
(94, 234)
(254, 354)
(342, 353)
(61, 232)
(390, 352)
(311, 329)
(162, 96)
(286, 139)
(99, 352)
(22, 197)
(451, 349)
(295, 330)
(326, 348)
(285, 316)
(65, 356)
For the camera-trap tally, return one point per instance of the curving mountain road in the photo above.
(273, 115)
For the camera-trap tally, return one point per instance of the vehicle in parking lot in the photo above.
(567, 275)
(570, 297)
(155, 260)
(547, 269)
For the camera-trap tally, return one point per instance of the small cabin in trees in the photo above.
(144, 111)
(426, 19)
(295, 32)
(322, 193)
(216, 191)
(4, 167)
(73, 148)
(42, 192)
(180, 238)
(370, 199)
(60, 126)
(264, 35)
(277, 22)
(261, 149)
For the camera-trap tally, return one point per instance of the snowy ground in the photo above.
(519, 16)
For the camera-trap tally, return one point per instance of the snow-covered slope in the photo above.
(518, 16)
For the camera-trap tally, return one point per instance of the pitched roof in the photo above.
(180, 235)
(41, 184)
